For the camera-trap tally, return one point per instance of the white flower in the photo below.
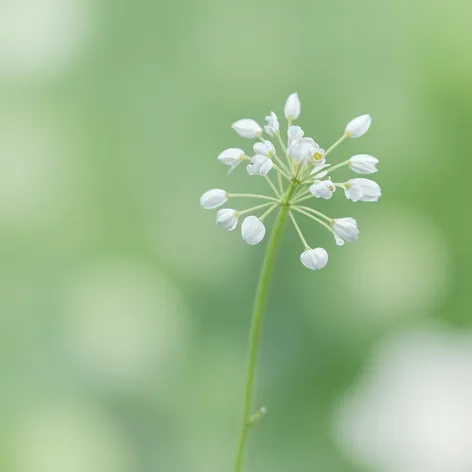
(323, 189)
(272, 127)
(213, 198)
(358, 126)
(265, 148)
(232, 157)
(318, 157)
(292, 107)
(363, 164)
(260, 165)
(295, 133)
(227, 218)
(302, 150)
(363, 190)
(345, 229)
(247, 128)
(314, 259)
(252, 230)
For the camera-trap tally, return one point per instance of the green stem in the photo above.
(260, 303)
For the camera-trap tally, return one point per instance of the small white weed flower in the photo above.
(232, 157)
(295, 133)
(272, 127)
(260, 165)
(266, 148)
(302, 175)
(302, 150)
(253, 230)
(314, 259)
(227, 218)
(362, 190)
(213, 198)
(346, 229)
(358, 126)
(323, 189)
(292, 107)
(363, 164)
(247, 128)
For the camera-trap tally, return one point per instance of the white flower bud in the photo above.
(362, 190)
(247, 128)
(358, 126)
(260, 165)
(265, 148)
(213, 198)
(272, 127)
(227, 218)
(302, 150)
(346, 229)
(252, 230)
(314, 259)
(292, 107)
(295, 133)
(363, 164)
(323, 189)
(232, 157)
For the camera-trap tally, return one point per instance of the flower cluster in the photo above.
(302, 174)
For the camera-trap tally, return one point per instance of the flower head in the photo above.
(266, 148)
(358, 126)
(314, 259)
(292, 107)
(302, 150)
(346, 229)
(272, 127)
(213, 199)
(295, 133)
(260, 165)
(363, 164)
(247, 128)
(227, 218)
(323, 189)
(303, 171)
(362, 190)
(253, 230)
(232, 157)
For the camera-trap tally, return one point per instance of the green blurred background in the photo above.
(124, 311)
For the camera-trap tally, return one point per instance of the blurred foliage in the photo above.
(124, 311)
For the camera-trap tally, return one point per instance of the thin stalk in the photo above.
(316, 212)
(284, 173)
(301, 198)
(313, 217)
(279, 180)
(272, 186)
(335, 145)
(337, 166)
(260, 303)
(250, 195)
(282, 145)
(299, 231)
(258, 207)
(268, 212)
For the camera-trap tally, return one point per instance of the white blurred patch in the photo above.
(412, 409)
(125, 324)
(72, 438)
(35, 166)
(40, 38)
(401, 264)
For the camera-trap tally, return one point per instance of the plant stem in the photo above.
(260, 303)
